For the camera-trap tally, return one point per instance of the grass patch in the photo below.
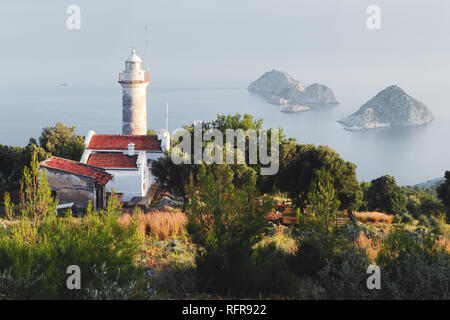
(163, 224)
(374, 216)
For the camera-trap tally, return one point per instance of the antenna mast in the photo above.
(147, 53)
(167, 115)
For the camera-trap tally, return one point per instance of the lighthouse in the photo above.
(134, 80)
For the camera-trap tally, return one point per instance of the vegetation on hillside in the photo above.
(222, 244)
(37, 246)
(59, 141)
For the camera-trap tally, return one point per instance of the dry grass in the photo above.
(161, 223)
(282, 240)
(374, 216)
(444, 243)
(371, 246)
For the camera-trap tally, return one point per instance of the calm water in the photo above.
(412, 155)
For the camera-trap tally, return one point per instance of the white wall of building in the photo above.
(132, 183)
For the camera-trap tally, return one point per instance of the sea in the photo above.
(411, 154)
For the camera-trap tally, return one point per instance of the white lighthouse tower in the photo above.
(134, 80)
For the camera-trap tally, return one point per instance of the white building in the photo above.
(128, 157)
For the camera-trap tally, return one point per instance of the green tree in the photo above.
(443, 192)
(35, 255)
(14, 159)
(299, 164)
(172, 176)
(226, 223)
(36, 200)
(322, 200)
(236, 121)
(421, 202)
(61, 141)
(176, 177)
(385, 195)
(365, 189)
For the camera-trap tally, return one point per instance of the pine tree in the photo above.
(36, 200)
(322, 200)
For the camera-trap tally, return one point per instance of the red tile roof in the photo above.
(121, 141)
(98, 174)
(112, 160)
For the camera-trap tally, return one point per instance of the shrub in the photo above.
(270, 273)
(310, 258)
(437, 224)
(414, 267)
(424, 202)
(17, 287)
(281, 237)
(405, 218)
(343, 277)
(49, 246)
(351, 231)
(227, 224)
(424, 221)
(109, 286)
(177, 280)
(314, 249)
(400, 243)
(418, 278)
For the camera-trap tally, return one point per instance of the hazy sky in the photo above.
(218, 43)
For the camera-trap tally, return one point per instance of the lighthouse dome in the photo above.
(133, 57)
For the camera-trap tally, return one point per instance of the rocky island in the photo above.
(390, 107)
(280, 88)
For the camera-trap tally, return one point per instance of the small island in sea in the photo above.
(280, 88)
(390, 107)
(294, 108)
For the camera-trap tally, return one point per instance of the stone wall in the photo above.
(72, 188)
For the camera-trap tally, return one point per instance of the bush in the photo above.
(343, 277)
(351, 232)
(17, 287)
(314, 249)
(310, 258)
(49, 246)
(109, 288)
(270, 273)
(417, 278)
(405, 218)
(266, 272)
(227, 224)
(177, 280)
(437, 224)
(414, 267)
(424, 221)
(424, 202)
